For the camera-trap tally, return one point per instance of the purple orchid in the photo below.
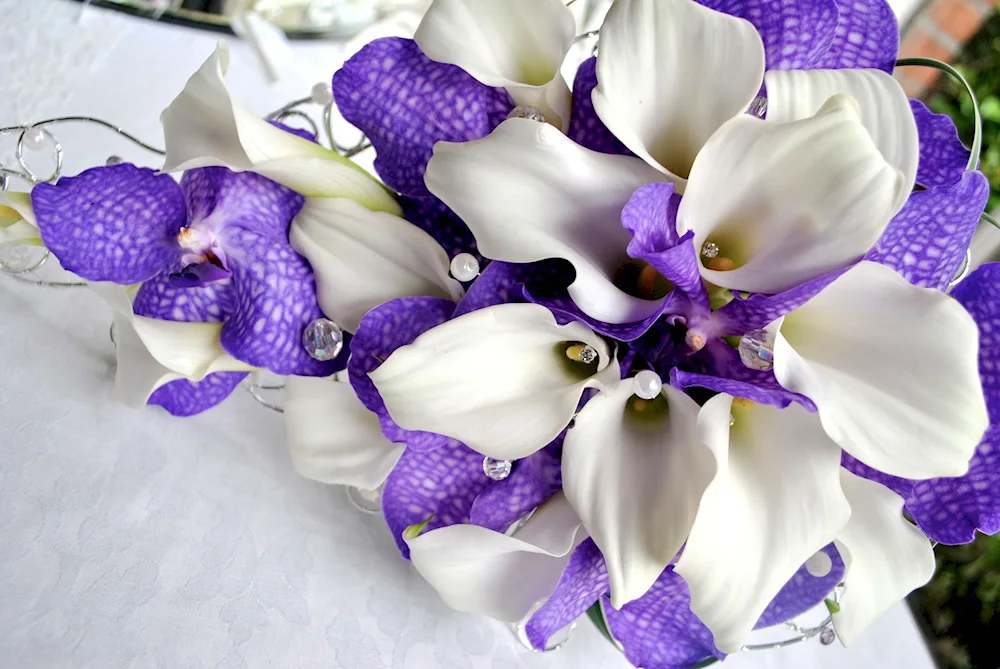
(212, 249)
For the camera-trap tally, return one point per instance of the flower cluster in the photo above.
(713, 353)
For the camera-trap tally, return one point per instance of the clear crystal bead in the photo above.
(524, 111)
(369, 501)
(19, 258)
(758, 107)
(827, 636)
(322, 94)
(497, 470)
(710, 250)
(757, 350)
(114, 160)
(35, 138)
(323, 339)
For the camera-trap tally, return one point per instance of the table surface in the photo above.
(134, 539)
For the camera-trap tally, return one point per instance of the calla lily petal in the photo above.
(517, 44)
(362, 258)
(787, 202)
(568, 205)
(885, 111)
(635, 471)
(472, 568)
(204, 126)
(775, 501)
(886, 556)
(892, 369)
(17, 219)
(655, 58)
(333, 438)
(497, 379)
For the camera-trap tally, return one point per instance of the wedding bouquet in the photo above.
(678, 346)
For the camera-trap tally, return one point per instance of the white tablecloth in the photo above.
(134, 539)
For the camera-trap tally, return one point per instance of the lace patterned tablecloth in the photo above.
(133, 539)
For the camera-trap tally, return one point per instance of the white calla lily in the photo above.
(17, 219)
(519, 45)
(787, 202)
(670, 73)
(332, 437)
(498, 379)
(363, 258)
(774, 502)
(635, 471)
(886, 556)
(893, 370)
(153, 352)
(479, 570)
(204, 126)
(884, 110)
(529, 193)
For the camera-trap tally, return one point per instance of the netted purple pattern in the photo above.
(582, 583)
(658, 630)
(803, 592)
(405, 102)
(532, 481)
(757, 311)
(435, 218)
(902, 487)
(796, 35)
(384, 329)
(927, 239)
(943, 157)
(867, 36)
(503, 283)
(211, 303)
(186, 398)
(117, 223)
(442, 483)
(585, 127)
(240, 199)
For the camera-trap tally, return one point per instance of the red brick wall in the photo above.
(939, 30)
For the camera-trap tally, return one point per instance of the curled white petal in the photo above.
(332, 437)
(363, 258)
(886, 557)
(635, 471)
(496, 379)
(774, 502)
(529, 193)
(670, 73)
(893, 370)
(479, 570)
(788, 202)
(204, 126)
(17, 219)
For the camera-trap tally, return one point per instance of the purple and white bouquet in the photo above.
(680, 344)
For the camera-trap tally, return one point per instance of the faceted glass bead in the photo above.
(757, 350)
(323, 339)
(758, 107)
(530, 113)
(710, 250)
(497, 470)
(827, 636)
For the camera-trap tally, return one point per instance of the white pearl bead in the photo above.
(647, 384)
(322, 94)
(819, 565)
(464, 267)
(34, 138)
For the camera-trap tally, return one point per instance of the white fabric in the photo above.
(132, 538)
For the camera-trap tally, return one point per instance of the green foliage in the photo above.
(979, 62)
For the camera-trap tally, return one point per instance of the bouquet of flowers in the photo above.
(681, 345)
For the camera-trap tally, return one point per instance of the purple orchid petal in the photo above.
(219, 198)
(902, 487)
(299, 132)
(565, 310)
(867, 36)
(943, 157)
(435, 218)
(927, 240)
(651, 216)
(275, 301)
(199, 274)
(658, 630)
(442, 483)
(534, 479)
(384, 329)
(585, 126)
(802, 592)
(116, 223)
(796, 35)
(159, 298)
(763, 389)
(950, 510)
(185, 398)
(405, 102)
(503, 283)
(582, 583)
(757, 311)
